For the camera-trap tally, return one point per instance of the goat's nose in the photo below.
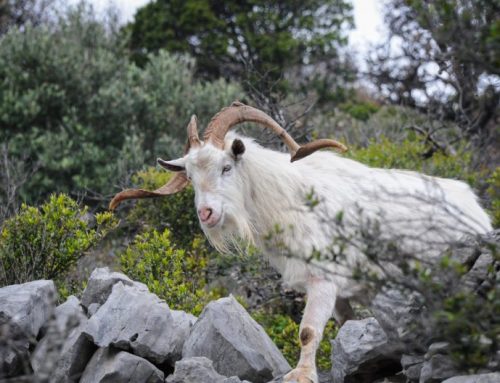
(204, 213)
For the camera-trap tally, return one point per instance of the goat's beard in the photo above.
(235, 233)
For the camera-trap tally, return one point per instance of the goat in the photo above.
(243, 190)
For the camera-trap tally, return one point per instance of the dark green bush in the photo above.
(44, 242)
(494, 194)
(74, 105)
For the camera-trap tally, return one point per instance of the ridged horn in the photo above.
(178, 182)
(238, 113)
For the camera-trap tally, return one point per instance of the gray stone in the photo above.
(92, 309)
(198, 369)
(24, 309)
(397, 313)
(436, 368)
(28, 305)
(47, 353)
(75, 353)
(101, 283)
(323, 377)
(134, 319)
(362, 352)
(183, 323)
(412, 364)
(238, 345)
(115, 366)
(494, 377)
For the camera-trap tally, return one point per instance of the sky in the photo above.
(367, 17)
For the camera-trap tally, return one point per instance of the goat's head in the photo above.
(211, 165)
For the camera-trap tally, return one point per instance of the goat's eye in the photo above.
(226, 168)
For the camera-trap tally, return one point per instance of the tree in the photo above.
(443, 57)
(20, 12)
(254, 41)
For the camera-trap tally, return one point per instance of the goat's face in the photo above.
(214, 175)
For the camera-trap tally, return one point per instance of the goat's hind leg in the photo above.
(319, 309)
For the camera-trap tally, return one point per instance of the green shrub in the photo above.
(174, 274)
(175, 212)
(284, 332)
(494, 194)
(359, 110)
(412, 154)
(44, 242)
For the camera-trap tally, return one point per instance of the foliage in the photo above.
(494, 194)
(423, 63)
(359, 110)
(411, 154)
(175, 212)
(79, 111)
(284, 332)
(174, 274)
(251, 40)
(44, 242)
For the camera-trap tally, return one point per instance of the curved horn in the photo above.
(238, 112)
(178, 182)
(192, 133)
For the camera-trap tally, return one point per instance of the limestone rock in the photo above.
(24, 309)
(226, 334)
(101, 283)
(76, 351)
(198, 369)
(362, 352)
(494, 377)
(136, 320)
(47, 353)
(28, 305)
(412, 365)
(437, 365)
(115, 366)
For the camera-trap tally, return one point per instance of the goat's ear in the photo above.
(237, 148)
(173, 165)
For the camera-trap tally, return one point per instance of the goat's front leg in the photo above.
(319, 308)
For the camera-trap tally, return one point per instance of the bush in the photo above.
(172, 273)
(412, 154)
(44, 242)
(284, 332)
(83, 114)
(494, 194)
(175, 212)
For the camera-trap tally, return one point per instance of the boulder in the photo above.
(134, 319)
(76, 351)
(198, 369)
(412, 365)
(28, 305)
(226, 334)
(437, 365)
(362, 352)
(116, 366)
(47, 353)
(494, 377)
(24, 309)
(183, 323)
(101, 283)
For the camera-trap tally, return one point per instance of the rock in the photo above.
(227, 335)
(101, 283)
(136, 320)
(116, 366)
(47, 353)
(397, 313)
(362, 352)
(76, 351)
(92, 309)
(494, 377)
(323, 377)
(183, 323)
(437, 366)
(198, 369)
(24, 309)
(28, 305)
(412, 364)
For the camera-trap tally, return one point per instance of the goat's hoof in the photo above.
(301, 375)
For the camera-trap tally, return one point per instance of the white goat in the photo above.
(244, 190)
